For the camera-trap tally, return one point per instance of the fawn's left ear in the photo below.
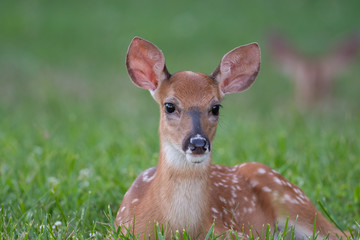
(238, 69)
(145, 64)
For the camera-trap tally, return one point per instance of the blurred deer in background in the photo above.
(313, 76)
(185, 190)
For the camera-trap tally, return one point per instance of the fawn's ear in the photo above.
(238, 68)
(343, 54)
(145, 64)
(284, 54)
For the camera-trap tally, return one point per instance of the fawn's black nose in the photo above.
(198, 144)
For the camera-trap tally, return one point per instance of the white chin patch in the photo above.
(196, 158)
(178, 159)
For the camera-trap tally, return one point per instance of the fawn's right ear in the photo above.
(238, 69)
(145, 64)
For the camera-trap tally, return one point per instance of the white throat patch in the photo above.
(186, 207)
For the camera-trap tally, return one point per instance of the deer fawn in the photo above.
(313, 77)
(185, 190)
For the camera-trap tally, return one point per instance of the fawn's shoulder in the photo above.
(140, 185)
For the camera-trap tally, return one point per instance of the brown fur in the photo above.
(186, 191)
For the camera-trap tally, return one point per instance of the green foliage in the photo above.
(75, 133)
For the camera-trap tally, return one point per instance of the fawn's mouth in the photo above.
(197, 158)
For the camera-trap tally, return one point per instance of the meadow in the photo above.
(75, 132)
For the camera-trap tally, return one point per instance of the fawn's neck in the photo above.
(182, 192)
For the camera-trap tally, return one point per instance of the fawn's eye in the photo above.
(169, 107)
(215, 110)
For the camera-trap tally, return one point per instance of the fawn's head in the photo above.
(189, 101)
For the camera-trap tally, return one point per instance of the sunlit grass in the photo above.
(75, 133)
(63, 162)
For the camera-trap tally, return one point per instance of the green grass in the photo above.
(75, 132)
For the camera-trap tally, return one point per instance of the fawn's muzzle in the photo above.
(196, 144)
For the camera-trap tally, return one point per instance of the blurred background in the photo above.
(69, 112)
(71, 47)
